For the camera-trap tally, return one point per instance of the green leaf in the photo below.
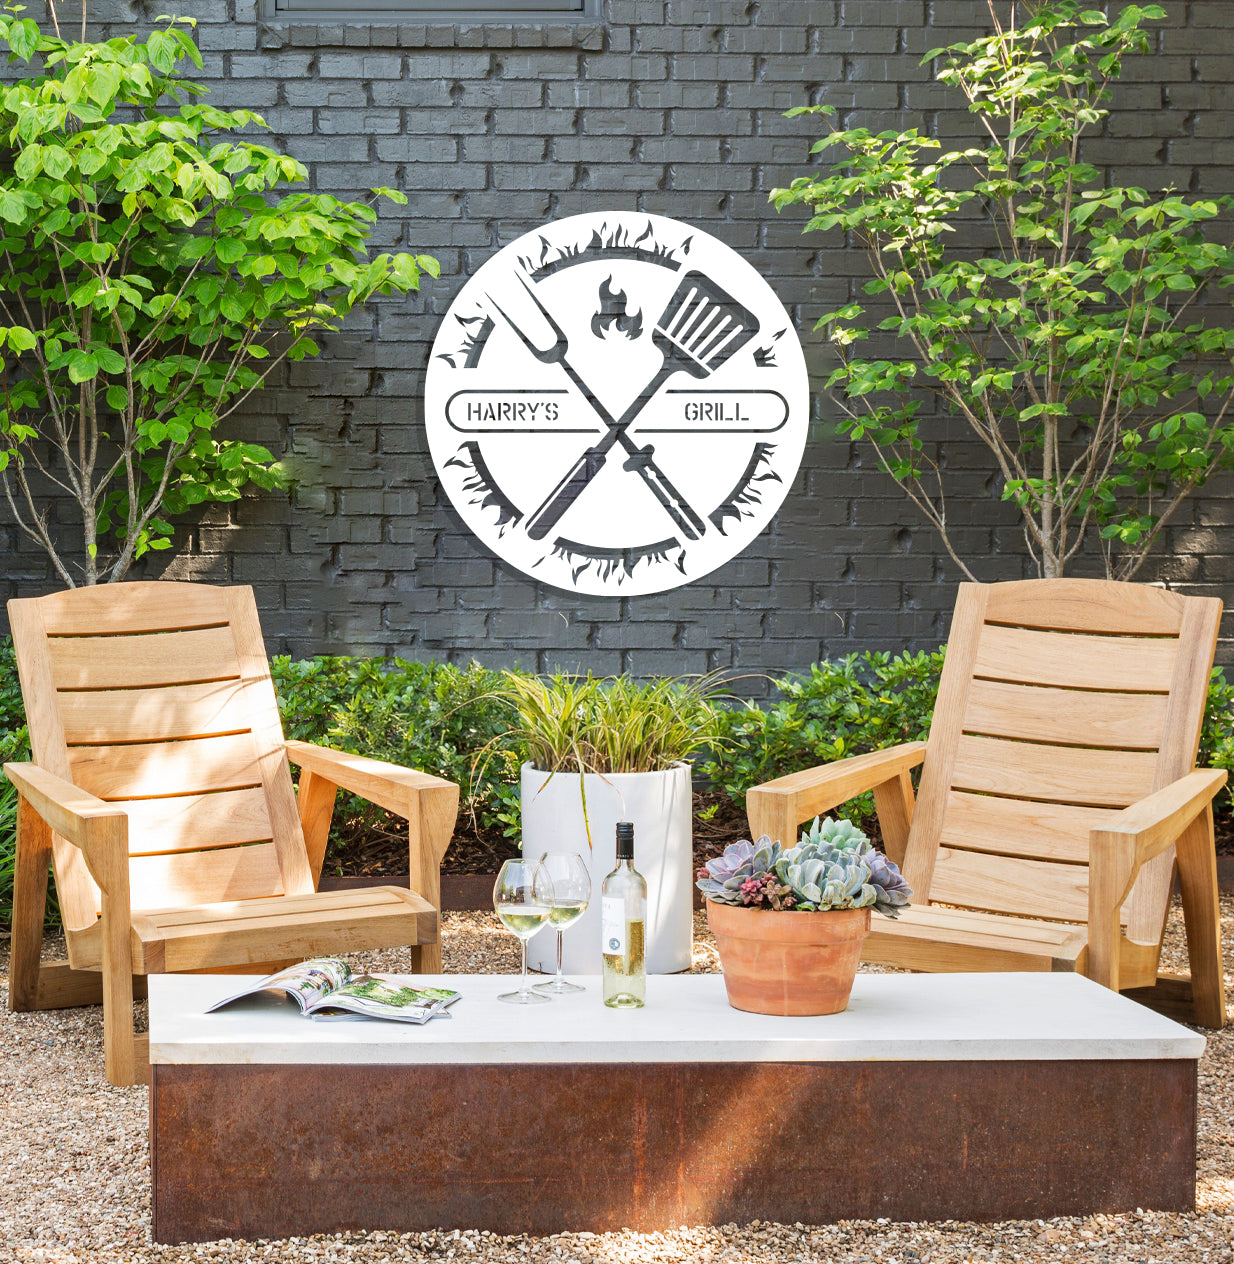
(24, 38)
(57, 162)
(82, 367)
(229, 250)
(12, 207)
(109, 361)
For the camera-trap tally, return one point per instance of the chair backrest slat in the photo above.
(120, 609)
(196, 822)
(226, 873)
(155, 714)
(1077, 717)
(1052, 773)
(1007, 884)
(142, 660)
(143, 770)
(158, 696)
(1020, 827)
(1036, 656)
(1060, 701)
(1086, 605)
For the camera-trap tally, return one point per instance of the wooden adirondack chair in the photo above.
(1058, 790)
(160, 792)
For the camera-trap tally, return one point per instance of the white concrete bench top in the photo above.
(891, 1017)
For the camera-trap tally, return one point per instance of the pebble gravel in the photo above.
(75, 1175)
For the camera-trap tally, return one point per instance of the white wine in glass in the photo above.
(523, 898)
(571, 895)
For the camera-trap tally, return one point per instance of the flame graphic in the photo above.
(614, 313)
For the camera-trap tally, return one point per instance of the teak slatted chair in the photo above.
(1058, 786)
(161, 794)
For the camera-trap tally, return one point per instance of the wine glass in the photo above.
(522, 896)
(571, 895)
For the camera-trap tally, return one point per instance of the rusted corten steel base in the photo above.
(278, 1151)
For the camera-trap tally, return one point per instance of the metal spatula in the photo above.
(702, 327)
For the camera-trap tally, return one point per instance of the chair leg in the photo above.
(428, 835)
(119, 1054)
(1197, 876)
(29, 906)
(108, 856)
(1109, 869)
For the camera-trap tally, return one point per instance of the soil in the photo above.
(1223, 824)
(361, 849)
(365, 850)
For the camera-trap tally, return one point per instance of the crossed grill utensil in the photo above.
(701, 327)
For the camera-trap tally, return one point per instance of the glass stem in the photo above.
(522, 986)
(559, 939)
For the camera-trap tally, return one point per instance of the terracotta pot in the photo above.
(788, 963)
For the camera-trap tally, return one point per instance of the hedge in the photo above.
(435, 716)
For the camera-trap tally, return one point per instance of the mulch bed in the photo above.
(364, 850)
(1223, 825)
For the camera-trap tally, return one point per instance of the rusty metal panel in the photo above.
(275, 1151)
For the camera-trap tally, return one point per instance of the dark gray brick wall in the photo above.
(667, 106)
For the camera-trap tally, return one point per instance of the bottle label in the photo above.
(613, 925)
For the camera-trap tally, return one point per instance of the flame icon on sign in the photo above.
(613, 314)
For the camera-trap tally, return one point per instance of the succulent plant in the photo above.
(721, 879)
(826, 879)
(841, 846)
(767, 892)
(827, 831)
(885, 877)
(834, 866)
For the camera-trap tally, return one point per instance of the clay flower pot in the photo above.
(791, 962)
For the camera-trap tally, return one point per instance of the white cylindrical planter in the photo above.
(659, 804)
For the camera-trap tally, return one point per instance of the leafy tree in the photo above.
(155, 270)
(1079, 350)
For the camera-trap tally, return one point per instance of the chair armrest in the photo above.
(1149, 826)
(99, 830)
(778, 807)
(429, 804)
(387, 785)
(75, 814)
(1120, 847)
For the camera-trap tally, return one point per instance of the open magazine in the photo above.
(325, 988)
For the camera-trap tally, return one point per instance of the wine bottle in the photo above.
(623, 917)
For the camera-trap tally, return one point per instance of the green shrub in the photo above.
(436, 716)
(1217, 735)
(868, 701)
(431, 716)
(842, 707)
(14, 745)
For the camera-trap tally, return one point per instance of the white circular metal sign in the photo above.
(616, 403)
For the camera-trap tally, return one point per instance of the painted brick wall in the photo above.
(668, 106)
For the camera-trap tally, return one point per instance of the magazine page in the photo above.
(376, 996)
(305, 983)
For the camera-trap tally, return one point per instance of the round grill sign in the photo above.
(616, 404)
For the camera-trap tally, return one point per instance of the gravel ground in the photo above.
(75, 1178)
